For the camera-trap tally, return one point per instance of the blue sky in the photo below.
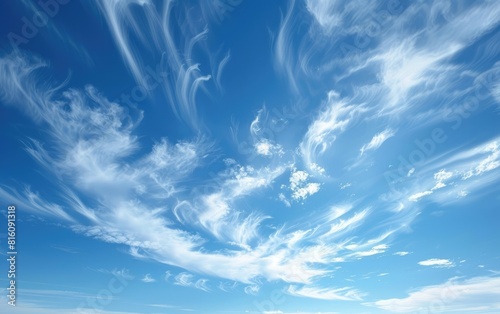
(236, 156)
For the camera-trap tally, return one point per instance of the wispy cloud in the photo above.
(169, 306)
(437, 262)
(174, 69)
(187, 280)
(402, 253)
(216, 212)
(123, 273)
(66, 249)
(463, 167)
(377, 249)
(283, 53)
(417, 196)
(346, 294)
(322, 132)
(252, 290)
(477, 294)
(119, 273)
(326, 13)
(377, 140)
(345, 185)
(33, 202)
(147, 278)
(346, 224)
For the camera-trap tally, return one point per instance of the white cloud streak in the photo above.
(325, 13)
(480, 161)
(402, 253)
(322, 132)
(377, 140)
(437, 262)
(187, 280)
(474, 295)
(178, 75)
(345, 294)
(147, 278)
